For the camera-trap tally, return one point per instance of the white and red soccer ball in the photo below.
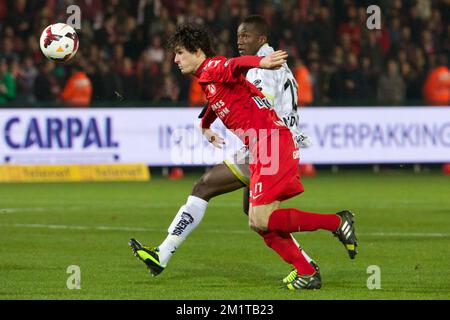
(59, 42)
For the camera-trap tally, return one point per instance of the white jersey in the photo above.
(280, 88)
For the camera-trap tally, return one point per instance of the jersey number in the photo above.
(289, 84)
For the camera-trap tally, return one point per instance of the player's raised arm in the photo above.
(242, 64)
(274, 61)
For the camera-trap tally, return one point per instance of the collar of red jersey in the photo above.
(199, 71)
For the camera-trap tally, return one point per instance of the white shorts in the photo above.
(238, 164)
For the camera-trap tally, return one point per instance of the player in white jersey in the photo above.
(280, 88)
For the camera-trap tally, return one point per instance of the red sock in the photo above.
(293, 220)
(284, 245)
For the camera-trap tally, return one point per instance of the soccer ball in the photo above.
(59, 42)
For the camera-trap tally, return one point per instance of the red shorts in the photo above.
(274, 175)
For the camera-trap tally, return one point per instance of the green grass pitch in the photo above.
(402, 221)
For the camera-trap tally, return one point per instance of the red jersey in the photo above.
(237, 102)
(244, 109)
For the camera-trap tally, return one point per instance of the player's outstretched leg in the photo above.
(346, 233)
(148, 255)
(185, 221)
(218, 180)
(293, 220)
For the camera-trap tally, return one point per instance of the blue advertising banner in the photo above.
(170, 136)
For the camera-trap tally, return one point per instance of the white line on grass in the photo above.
(136, 229)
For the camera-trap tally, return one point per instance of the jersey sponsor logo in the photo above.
(226, 63)
(262, 102)
(256, 197)
(222, 113)
(186, 219)
(291, 121)
(256, 83)
(212, 89)
(217, 105)
(212, 63)
(296, 154)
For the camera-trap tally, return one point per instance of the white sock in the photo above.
(187, 219)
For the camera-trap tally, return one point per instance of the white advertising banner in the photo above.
(170, 136)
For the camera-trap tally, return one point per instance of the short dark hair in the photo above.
(260, 23)
(192, 37)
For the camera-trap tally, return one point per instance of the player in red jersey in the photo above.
(274, 176)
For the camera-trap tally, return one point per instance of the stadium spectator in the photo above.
(436, 90)
(25, 81)
(130, 80)
(3, 9)
(303, 78)
(350, 31)
(391, 87)
(106, 83)
(410, 77)
(90, 8)
(131, 39)
(351, 77)
(323, 31)
(373, 50)
(155, 51)
(196, 95)
(20, 18)
(78, 90)
(7, 83)
(309, 30)
(46, 85)
(169, 91)
(367, 80)
(118, 56)
(8, 51)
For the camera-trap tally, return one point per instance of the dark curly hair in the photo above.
(192, 36)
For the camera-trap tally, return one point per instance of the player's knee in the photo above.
(257, 222)
(203, 188)
(258, 226)
(254, 226)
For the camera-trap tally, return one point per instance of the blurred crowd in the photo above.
(336, 58)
